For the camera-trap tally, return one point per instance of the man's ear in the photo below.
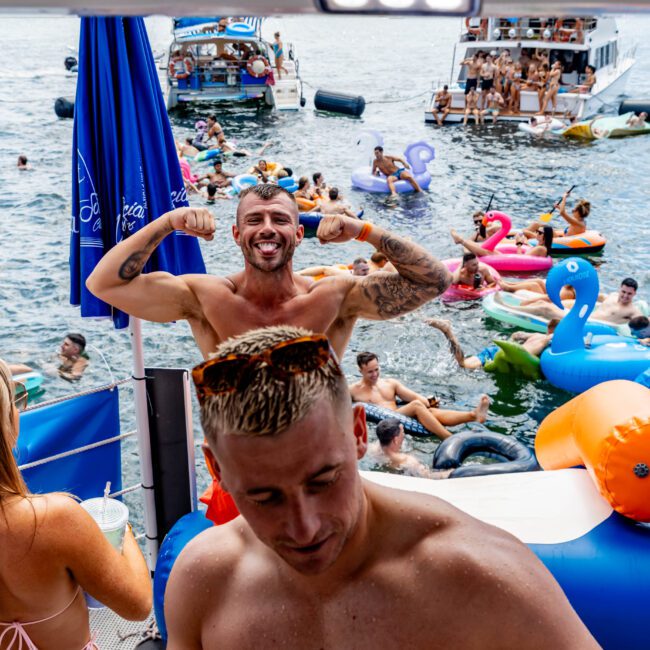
(211, 462)
(300, 233)
(235, 233)
(360, 429)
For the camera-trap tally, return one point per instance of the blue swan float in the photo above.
(417, 154)
(568, 364)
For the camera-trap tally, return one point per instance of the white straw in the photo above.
(107, 491)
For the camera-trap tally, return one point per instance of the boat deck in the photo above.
(456, 115)
(112, 632)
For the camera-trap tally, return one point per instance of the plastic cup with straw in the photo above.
(547, 216)
(110, 515)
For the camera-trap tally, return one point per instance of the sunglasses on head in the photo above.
(286, 359)
(20, 397)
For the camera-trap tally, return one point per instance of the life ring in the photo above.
(455, 449)
(251, 68)
(376, 413)
(465, 291)
(477, 31)
(243, 181)
(240, 29)
(564, 34)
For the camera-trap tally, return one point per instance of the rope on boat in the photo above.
(78, 450)
(90, 391)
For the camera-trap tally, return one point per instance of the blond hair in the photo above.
(269, 404)
(11, 480)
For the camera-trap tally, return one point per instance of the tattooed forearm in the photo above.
(134, 263)
(414, 263)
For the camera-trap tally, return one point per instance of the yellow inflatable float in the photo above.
(606, 429)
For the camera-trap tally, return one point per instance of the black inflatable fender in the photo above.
(64, 107)
(455, 449)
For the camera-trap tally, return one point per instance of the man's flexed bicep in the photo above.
(420, 277)
(161, 297)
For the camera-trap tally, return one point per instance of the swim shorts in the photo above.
(487, 354)
(396, 173)
(469, 84)
(486, 84)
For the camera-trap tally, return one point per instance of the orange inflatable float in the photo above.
(304, 205)
(606, 429)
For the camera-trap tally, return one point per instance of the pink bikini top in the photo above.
(18, 639)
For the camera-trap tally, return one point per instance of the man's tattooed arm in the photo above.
(420, 277)
(135, 262)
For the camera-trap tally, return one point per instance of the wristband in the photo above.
(365, 231)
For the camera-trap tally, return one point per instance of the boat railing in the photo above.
(570, 30)
(23, 467)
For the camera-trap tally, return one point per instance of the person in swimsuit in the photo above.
(554, 78)
(534, 343)
(278, 53)
(229, 149)
(488, 70)
(542, 249)
(576, 220)
(473, 64)
(515, 74)
(471, 272)
(637, 121)
(214, 128)
(542, 86)
(441, 104)
(52, 551)
(385, 164)
(495, 103)
(374, 389)
(471, 107)
(588, 82)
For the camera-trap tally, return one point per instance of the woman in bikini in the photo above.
(544, 236)
(51, 551)
(515, 74)
(554, 77)
(542, 85)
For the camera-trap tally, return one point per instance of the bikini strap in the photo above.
(16, 624)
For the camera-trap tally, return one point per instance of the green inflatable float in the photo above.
(513, 358)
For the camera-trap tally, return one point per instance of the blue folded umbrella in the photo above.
(125, 170)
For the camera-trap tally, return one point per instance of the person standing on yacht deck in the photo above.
(495, 103)
(473, 64)
(488, 70)
(278, 53)
(386, 165)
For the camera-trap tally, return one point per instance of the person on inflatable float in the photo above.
(543, 234)
(533, 343)
(267, 290)
(576, 220)
(473, 273)
(385, 164)
(322, 554)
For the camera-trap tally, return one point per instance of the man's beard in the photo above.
(287, 256)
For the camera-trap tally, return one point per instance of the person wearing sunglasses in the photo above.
(51, 551)
(323, 558)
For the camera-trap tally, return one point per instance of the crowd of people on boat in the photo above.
(494, 82)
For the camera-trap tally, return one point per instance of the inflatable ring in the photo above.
(305, 205)
(310, 222)
(207, 154)
(182, 532)
(240, 29)
(587, 243)
(243, 181)
(455, 449)
(513, 359)
(376, 413)
(476, 31)
(251, 62)
(465, 291)
(288, 183)
(31, 380)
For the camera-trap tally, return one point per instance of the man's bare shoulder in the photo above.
(481, 570)
(205, 281)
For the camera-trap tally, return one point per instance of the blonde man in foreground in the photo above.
(323, 559)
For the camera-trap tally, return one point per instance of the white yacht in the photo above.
(576, 42)
(227, 60)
